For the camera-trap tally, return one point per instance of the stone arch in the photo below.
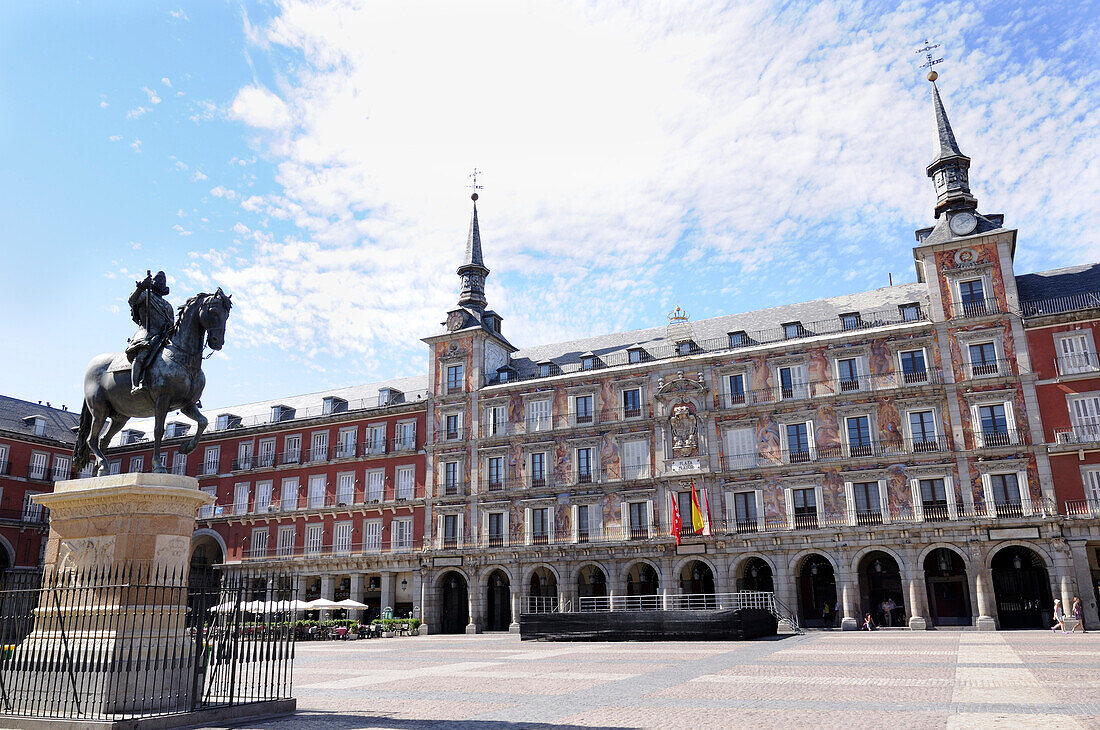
(864, 552)
(7, 546)
(530, 570)
(738, 564)
(929, 549)
(1048, 560)
(447, 571)
(496, 585)
(595, 590)
(453, 600)
(484, 573)
(575, 574)
(1023, 586)
(816, 577)
(794, 565)
(629, 564)
(679, 564)
(648, 583)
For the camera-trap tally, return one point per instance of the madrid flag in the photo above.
(677, 524)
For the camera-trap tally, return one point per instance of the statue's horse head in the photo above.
(209, 312)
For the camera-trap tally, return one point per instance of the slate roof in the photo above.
(948, 147)
(1064, 282)
(59, 423)
(307, 405)
(884, 300)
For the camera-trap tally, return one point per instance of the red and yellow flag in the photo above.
(676, 523)
(697, 520)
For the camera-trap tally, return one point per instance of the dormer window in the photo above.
(544, 369)
(851, 321)
(910, 312)
(503, 376)
(332, 404)
(226, 420)
(175, 429)
(685, 348)
(792, 330)
(588, 361)
(738, 339)
(636, 354)
(130, 436)
(386, 397)
(281, 413)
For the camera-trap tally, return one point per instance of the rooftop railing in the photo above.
(1061, 305)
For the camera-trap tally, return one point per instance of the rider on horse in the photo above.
(154, 317)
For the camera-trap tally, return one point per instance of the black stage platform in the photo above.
(718, 625)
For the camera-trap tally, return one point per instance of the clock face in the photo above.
(454, 321)
(963, 223)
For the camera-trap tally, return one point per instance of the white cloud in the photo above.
(103, 105)
(202, 111)
(137, 112)
(258, 107)
(178, 14)
(134, 245)
(181, 230)
(660, 146)
(136, 145)
(220, 191)
(115, 138)
(153, 97)
(241, 228)
(198, 176)
(166, 81)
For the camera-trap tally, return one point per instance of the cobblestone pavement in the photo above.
(935, 679)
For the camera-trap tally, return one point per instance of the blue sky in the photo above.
(311, 158)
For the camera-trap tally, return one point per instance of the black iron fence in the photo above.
(127, 642)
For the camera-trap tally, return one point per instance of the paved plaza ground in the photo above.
(887, 679)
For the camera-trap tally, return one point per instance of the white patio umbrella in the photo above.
(282, 606)
(323, 603)
(349, 603)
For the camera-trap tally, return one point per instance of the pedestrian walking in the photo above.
(1078, 615)
(826, 616)
(1059, 617)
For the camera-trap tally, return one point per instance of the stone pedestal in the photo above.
(116, 569)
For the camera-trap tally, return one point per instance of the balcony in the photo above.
(1078, 363)
(775, 457)
(454, 433)
(317, 453)
(832, 387)
(995, 439)
(976, 308)
(1087, 433)
(342, 549)
(999, 368)
(209, 468)
(346, 451)
(373, 448)
(1082, 508)
(294, 456)
(404, 443)
(244, 464)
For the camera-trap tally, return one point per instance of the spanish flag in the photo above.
(697, 521)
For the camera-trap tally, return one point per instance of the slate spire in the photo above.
(950, 170)
(472, 272)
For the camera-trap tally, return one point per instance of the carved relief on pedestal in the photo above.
(86, 553)
(171, 552)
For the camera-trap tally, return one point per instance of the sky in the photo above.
(312, 159)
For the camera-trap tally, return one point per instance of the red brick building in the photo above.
(36, 444)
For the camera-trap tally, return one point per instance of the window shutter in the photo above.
(573, 521)
(484, 528)
(624, 511)
(949, 489)
(788, 498)
(650, 528)
(1025, 493)
(850, 499)
(527, 526)
(799, 380)
(1010, 420)
(439, 531)
(976, 426)
(884, 500)
(731, 509)
(761, 521)
(460, 537)
(918, 502)
(505, 529)
(550, 525)
(810, 438)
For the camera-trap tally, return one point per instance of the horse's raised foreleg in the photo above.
(160, 411)
(117, 424)
(99, 420)
(192, 411)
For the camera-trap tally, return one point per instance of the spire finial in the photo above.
(929, 61)
(473, 183)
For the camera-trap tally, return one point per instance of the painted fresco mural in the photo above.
(827, 431)
(818, 372)
(609, 454)
(985, 253)
(832, 492)
(563, 528)
(891, 431)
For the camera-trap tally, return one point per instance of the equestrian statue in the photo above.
(160, 371)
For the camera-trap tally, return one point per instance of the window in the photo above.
(588, 362)
(266, 455)
(345, 445)
(452, 426)
(847, 371)
(4, 451)
(406, 482)
(244, 455)
(263, 496)
(868, 505)
(683, 504)
(851, 321)
(406, 435)
(933, 497)
(288, 497)
(983, 359)
(375, 485)
(859, 436)
(792, 382)
(922, 431)
(1006, 495)
(345, 488)
(540, 526)
(179, 464)
(584, 466)
(582, 406)
(39, 426)
(994, 425)
(332, 404)
(792, 330)
(115, 466)
(1076, 353)
(450, 477)
(798, 442)
(454, 379)
(39, 461)
(635, 460)
(376, 439)
(582, 530)
(913, 369)
(450, 531)
(316, 493)
(137, 464)
(685, 348)
(319, 452)
(32, 511)
(496, 472)
(632, 403)
(284, 546)
(804, 502)
(544, 369)
(341, 538)
(292, 449)
(744, 512)
(259, 543)
(639, 520)
(635, 355)
(972, 298)
(741, 449)
(314, 539)
(736, 385)
(61, 466)
(738, 339)
(496, 529)
(503, 375)
(538, 415)
(372, 536)
(402, 533)
(240, 498)
(495, 421)
(210, 460)
(538, 469)
(910, 312)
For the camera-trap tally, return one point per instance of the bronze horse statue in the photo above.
(175, 379)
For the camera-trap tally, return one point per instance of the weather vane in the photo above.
(929, 61)
(473, 184)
